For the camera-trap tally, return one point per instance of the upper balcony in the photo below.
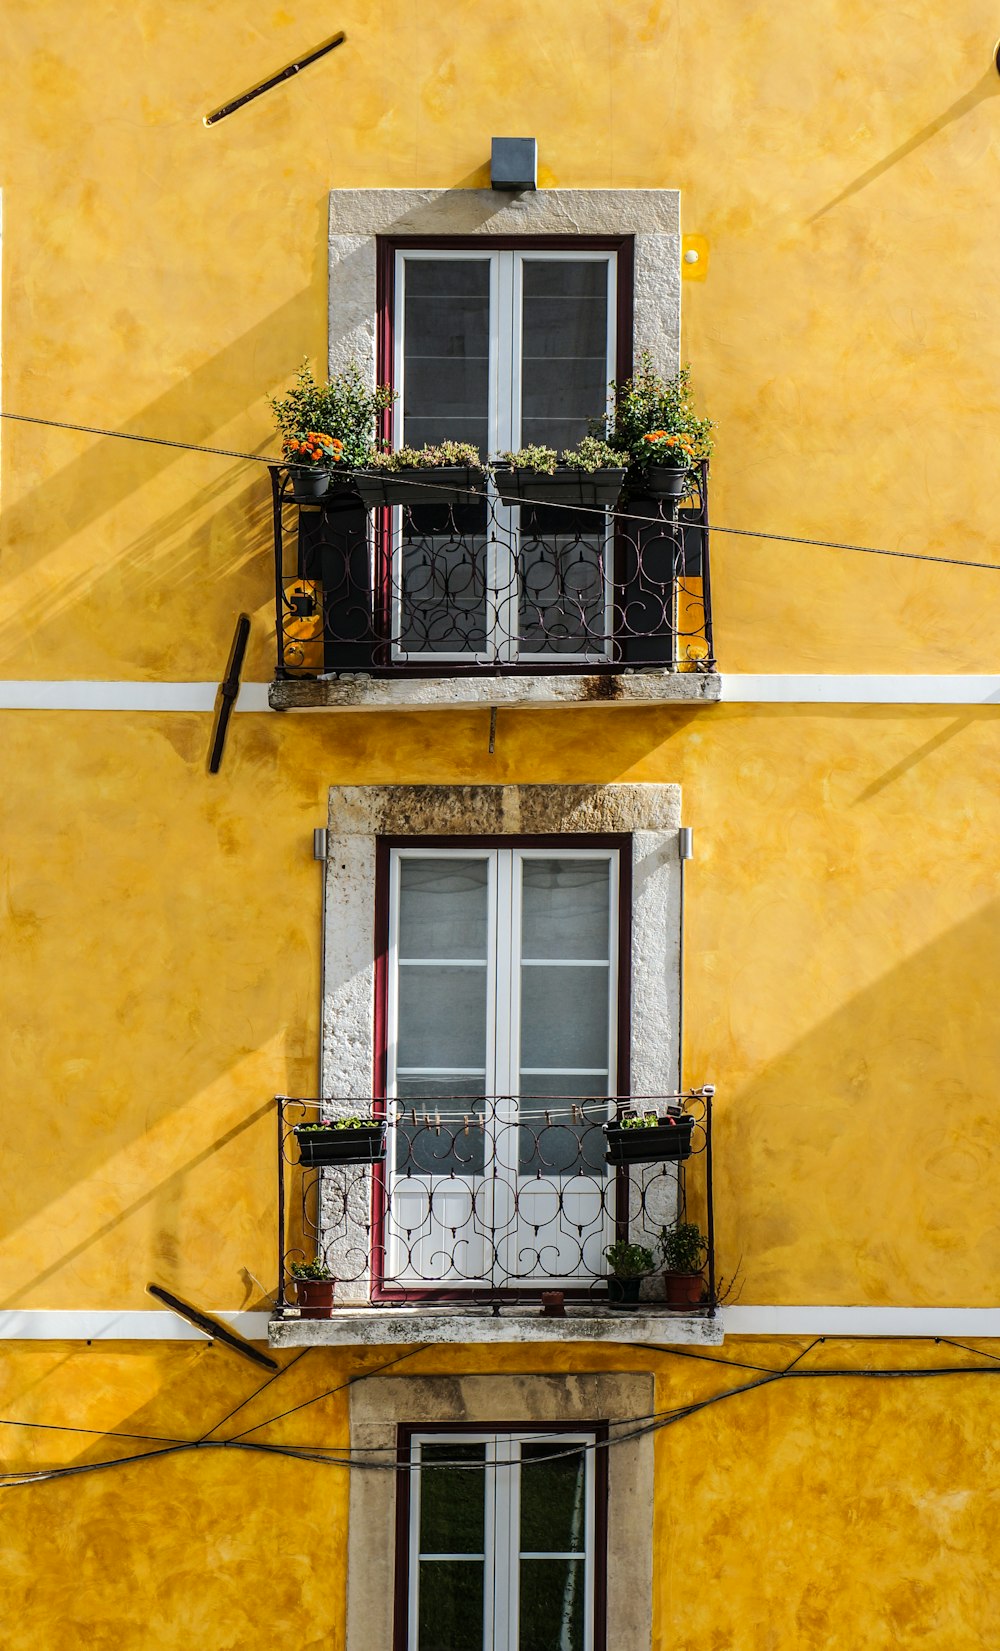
(469, 601)
(455, 1218)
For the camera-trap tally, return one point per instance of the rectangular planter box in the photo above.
(566, 486)
(663, 1143)
(442, 484)
(332, 1148)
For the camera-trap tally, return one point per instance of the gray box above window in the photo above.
(514, 163)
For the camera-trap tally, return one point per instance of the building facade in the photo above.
(530, 813)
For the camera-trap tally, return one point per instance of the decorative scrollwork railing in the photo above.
(480, 587)
(489, 1200)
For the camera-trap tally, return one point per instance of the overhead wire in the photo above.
(576, 509)
(633, 1427)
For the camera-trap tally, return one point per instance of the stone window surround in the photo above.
(358, 216)
(378, 1405)
(359, 815)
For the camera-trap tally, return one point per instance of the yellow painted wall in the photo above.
(163, 981)
(805, 1514)
(159, 957)
(163, 277)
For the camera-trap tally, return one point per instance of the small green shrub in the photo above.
(629, 1260)
(683, 1248)
(317, 1270)
(346, 408)
(460, 453)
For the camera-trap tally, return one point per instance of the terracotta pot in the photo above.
(315, 1297)
(553, 1304)
(683, 1289)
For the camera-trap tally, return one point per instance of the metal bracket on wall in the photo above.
(229, 688)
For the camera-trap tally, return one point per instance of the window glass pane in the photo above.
(443, 908)
(443, 590)
(450, 1616)
(553, 1498)
(564, 910)
(564, 364)
(552, 1605)
(442, 1016)
(446, 321)
(572, 1144)
(440, 1136)
(562, 594)
(452, 1500)
(564, 1017)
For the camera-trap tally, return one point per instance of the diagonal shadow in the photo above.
(69, 1256)
(900, 768)
(986, 87)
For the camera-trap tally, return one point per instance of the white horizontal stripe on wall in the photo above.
(154, 1324)
(125, 696)
(774, 689)
(861, 1321)
(160, 1325)
(737, 689)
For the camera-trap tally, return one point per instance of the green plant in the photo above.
(649, 409)
(317, 1271)
(346, 408)
(629, 1260)
(458, 453)
(590, 454)
(683, 1248)
(542, 460)
(339, 1123)
(640, 1120)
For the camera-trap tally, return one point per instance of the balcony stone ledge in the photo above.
(407, 1326)
(460, 693)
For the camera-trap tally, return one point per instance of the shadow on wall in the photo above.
(859, 1167)
(986, 87)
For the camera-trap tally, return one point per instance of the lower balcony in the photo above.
(482, 603)
(471, 1219)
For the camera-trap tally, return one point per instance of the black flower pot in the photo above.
(668, 481)
(438, 484)
(330, 1148)
(566, 486)
(662, 1143)
(314, 485)
(624, 1292)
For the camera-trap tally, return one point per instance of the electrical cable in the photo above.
(358, 1461)
(623, 515)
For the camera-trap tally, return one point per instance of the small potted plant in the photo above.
(333, 1142)
(314, 1287)
(589, 474)
(683, 1250)
(310, 458)
(649, 1137)
(655, 425)
(345, 410)
(629, 1264)
(450, 473)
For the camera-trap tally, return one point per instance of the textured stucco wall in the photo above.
(165, 277)
(162, 975)
(806, 1514)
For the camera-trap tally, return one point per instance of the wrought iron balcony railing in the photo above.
(489, 1201)
(485, 588)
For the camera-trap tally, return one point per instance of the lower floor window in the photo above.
(502, 1541)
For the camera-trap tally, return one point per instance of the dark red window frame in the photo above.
(385, 308)
(404, 1437)
(385, 284)
(564, 842)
